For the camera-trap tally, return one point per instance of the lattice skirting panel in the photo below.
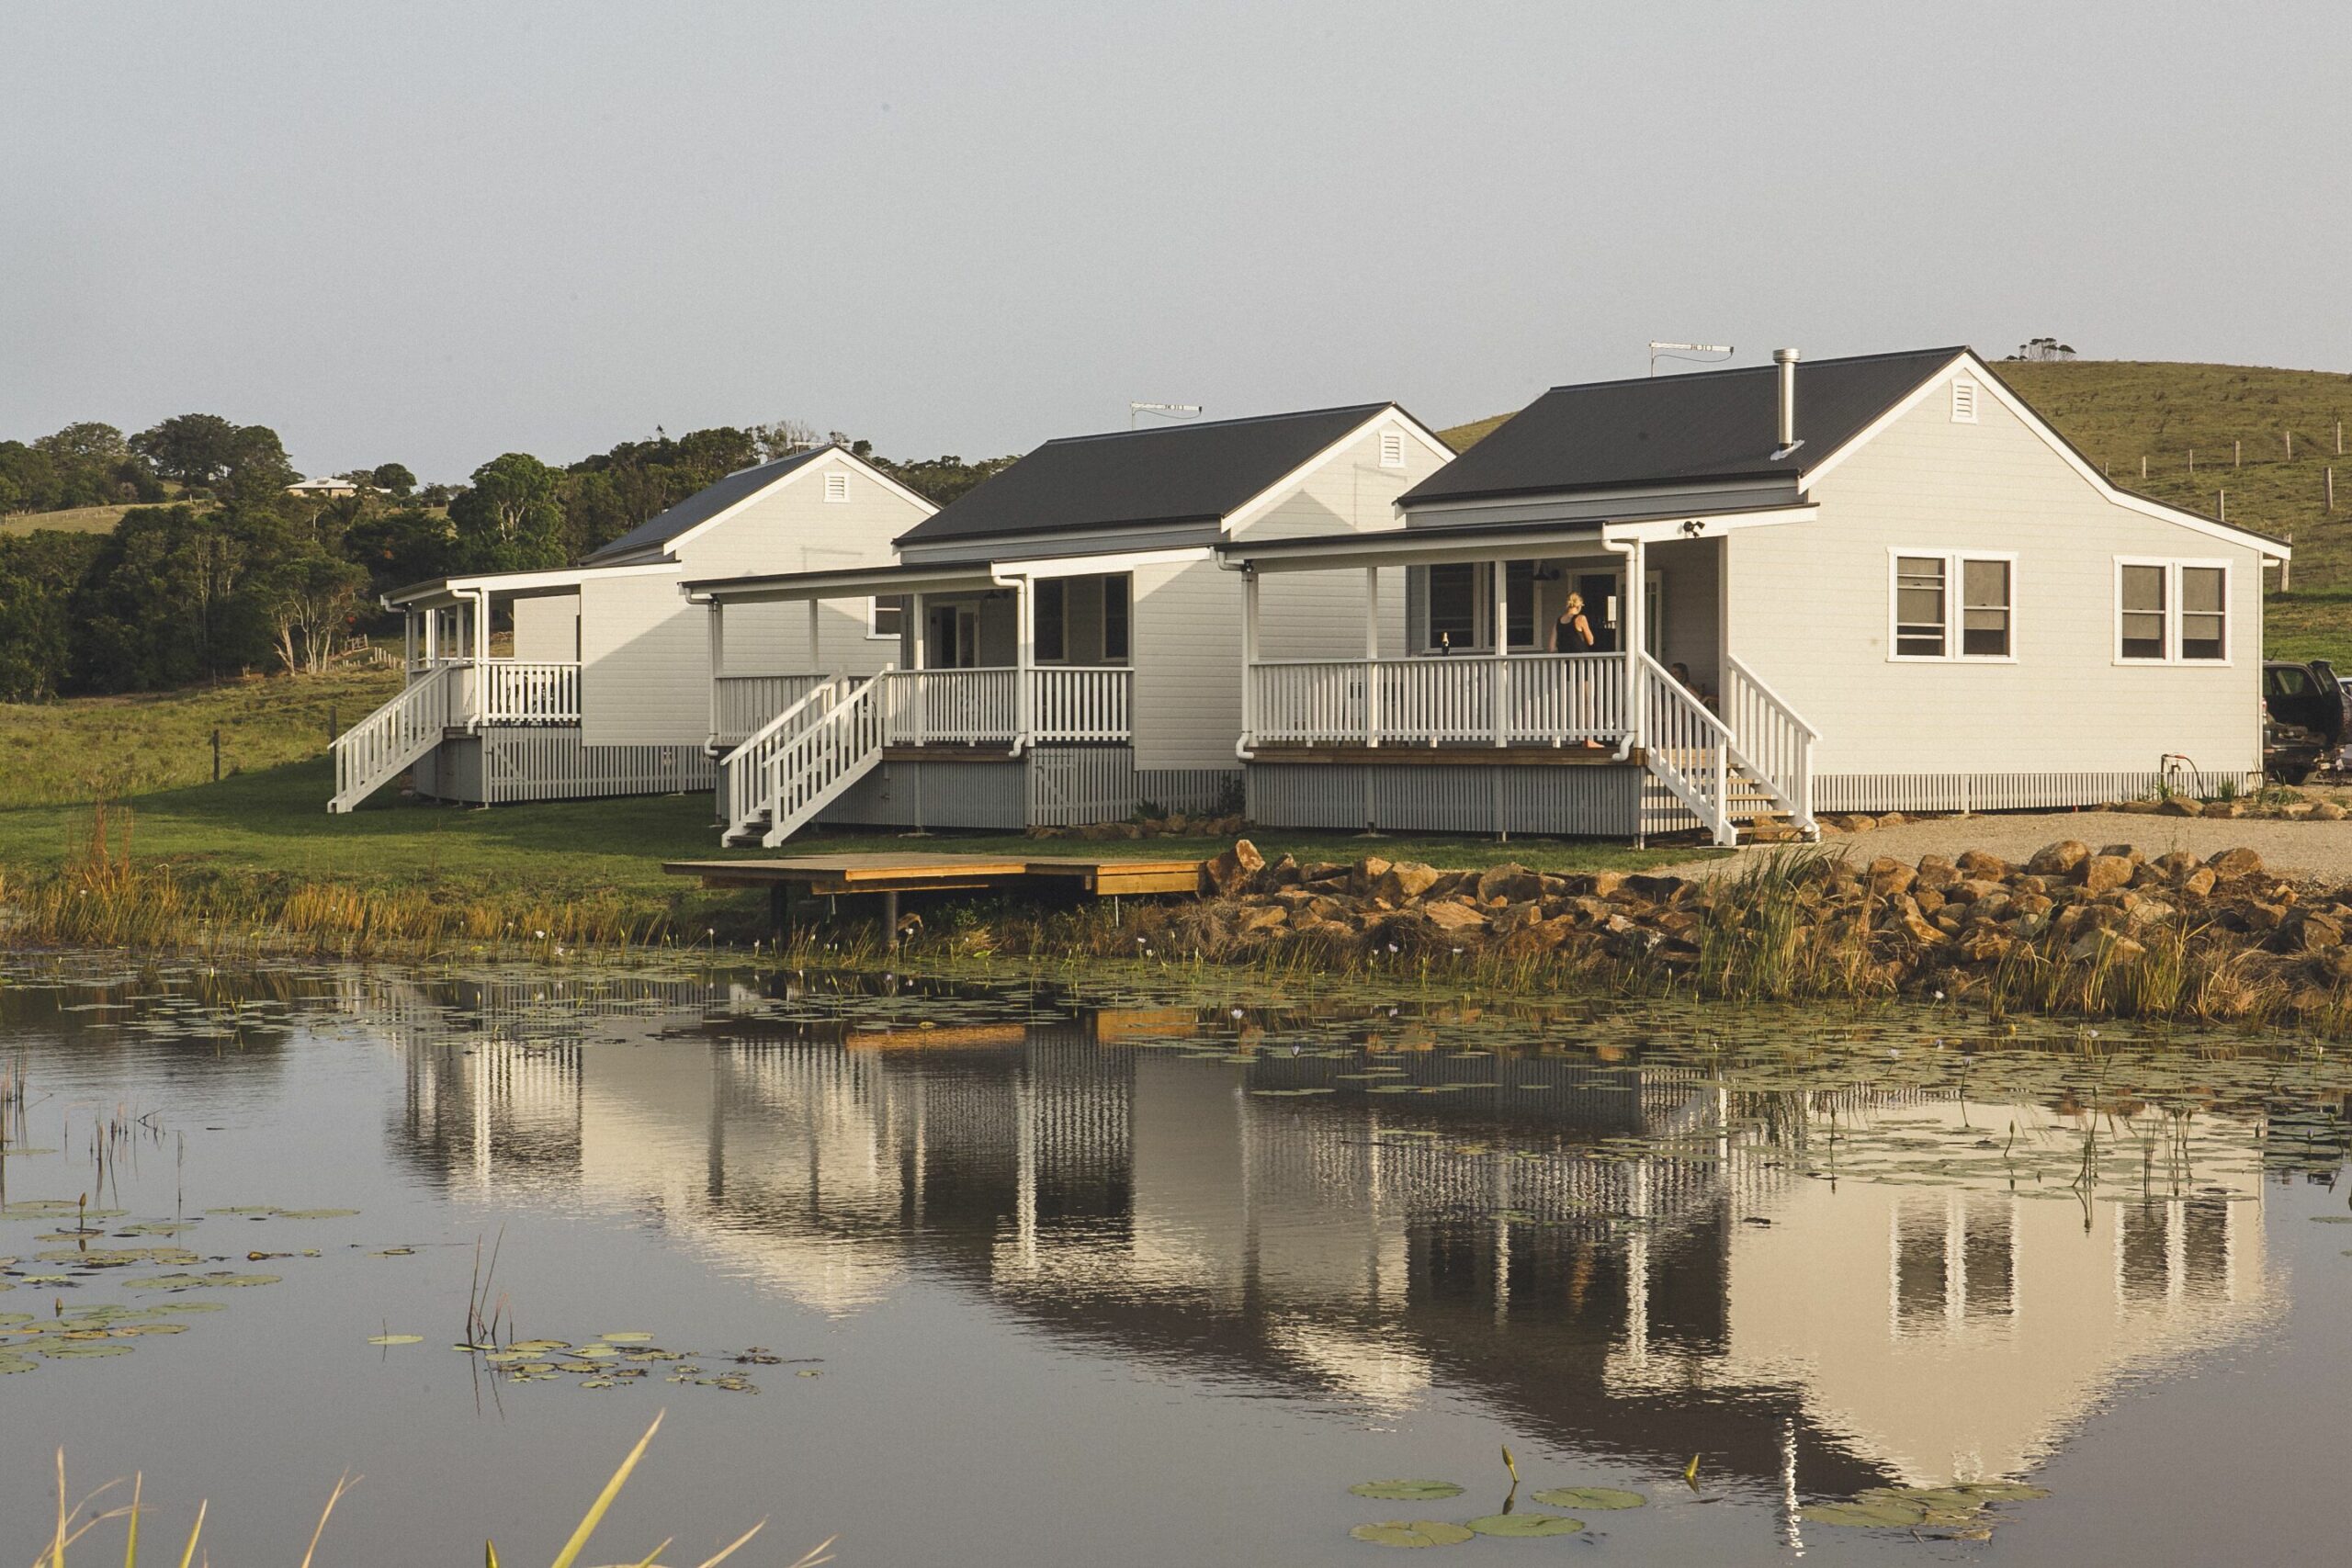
(548, 762)
(1582, 802)
(2008, 792)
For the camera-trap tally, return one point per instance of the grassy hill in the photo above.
(73, 520)
(2236, 419)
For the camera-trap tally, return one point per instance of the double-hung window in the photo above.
(1952, 604)
(1454, 592)
(1052, 620)
(885, 618)
(2172, 612)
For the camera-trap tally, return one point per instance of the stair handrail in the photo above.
(1791, 788)
(373, 752)
(821, 749)
(742, 771)
(1671, 703)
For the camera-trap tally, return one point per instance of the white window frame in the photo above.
(1955, 594)
(1392, 449)
(2173, 567)
(1966, 397)
(836, 486)
(874, 608)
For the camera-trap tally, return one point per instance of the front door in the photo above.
(952, 637)
(1604, 607)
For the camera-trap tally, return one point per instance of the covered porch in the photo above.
(1492, 671)
(448, 637)
(997, 664)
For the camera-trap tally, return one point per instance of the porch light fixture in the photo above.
(1693, 527)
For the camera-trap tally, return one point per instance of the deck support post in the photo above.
(1249, 655)
(779, 910)
(891, 921)
(1372, 656)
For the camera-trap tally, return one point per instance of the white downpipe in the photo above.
(1630, 550)
(1249, 663)
(1371, 657)
(717, 611)
(1025, 696)
(478, 652)
(1499, 699)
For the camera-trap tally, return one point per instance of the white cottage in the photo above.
(607, 687)
(1860, 585)
(1070, 645)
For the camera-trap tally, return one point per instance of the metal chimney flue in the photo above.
(1784, 361)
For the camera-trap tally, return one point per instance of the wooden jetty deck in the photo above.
(890, 874)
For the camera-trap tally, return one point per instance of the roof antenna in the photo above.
(1165, 411)
(1685, 350)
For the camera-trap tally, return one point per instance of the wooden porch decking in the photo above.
(891, 874)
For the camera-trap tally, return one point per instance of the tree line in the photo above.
(219, 568)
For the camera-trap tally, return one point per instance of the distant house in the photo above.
(324, 487)
(1860, 585)
(607, 688)
(1069, 645)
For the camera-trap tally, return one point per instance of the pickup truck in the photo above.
(2306, 718)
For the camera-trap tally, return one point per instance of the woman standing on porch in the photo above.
(1573, 634)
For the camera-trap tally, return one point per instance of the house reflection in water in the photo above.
(1583, 1249)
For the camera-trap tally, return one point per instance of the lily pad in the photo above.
(1526, 1525)
(1879, 1512)
(1596, 1498)
(628, 1336)
(395, 1340)
(1414, 1532)
(17, 1364)
(1406, 1491)
(316, 1213)
(79, 1348)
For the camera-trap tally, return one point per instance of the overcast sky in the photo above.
(434, 233)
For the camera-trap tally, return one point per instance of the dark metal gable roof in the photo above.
(702, 506)
(1708, 425)
(1184, 473)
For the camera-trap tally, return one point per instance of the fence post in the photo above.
(2330, 487)
(215, 756)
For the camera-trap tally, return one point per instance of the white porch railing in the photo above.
(1772, 742)
(1549, 699)
(952, 707)
(514, 691)
(1082, 702)
(746, 702)
(377, 749)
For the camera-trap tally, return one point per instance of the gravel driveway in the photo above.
(2320, 851)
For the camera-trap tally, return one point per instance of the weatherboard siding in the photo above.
(547, 627)
(1319, 614)
(1810, 615)
(645, 661)
(1187, 702)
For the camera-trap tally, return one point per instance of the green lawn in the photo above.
(110, 748)
(270, 829)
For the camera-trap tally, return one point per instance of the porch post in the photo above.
(407, 641)
(1372, 656)
(1500, 695)
(921, 662)
(432, 636)
(1026, 609)
(1249, 654)
(816, 654)
(1638, 636)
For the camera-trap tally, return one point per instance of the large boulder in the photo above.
(1512, 883)
(2230, 864)
(1231, 872)
(1978, 866)
(2105, 873)
(1889, 877)
(2060, 859)
(1403, 882)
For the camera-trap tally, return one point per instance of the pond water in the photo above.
(1034, 1277)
